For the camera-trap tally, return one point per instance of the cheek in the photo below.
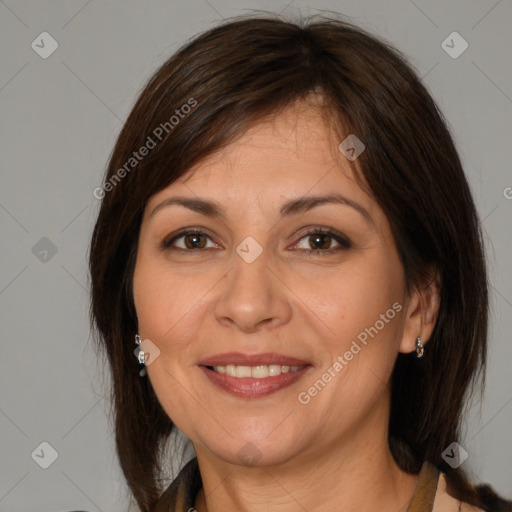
(371, 324)
(365, 320)
(153, 291)
(155, 301)
(168, 301)
(356, 298)
(162, 303)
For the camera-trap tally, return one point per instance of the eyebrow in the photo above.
(293, 207)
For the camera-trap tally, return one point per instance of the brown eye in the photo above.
(188, 241)
(323, 242)
(195, 241)
(320, 241)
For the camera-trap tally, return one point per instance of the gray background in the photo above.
(59, 120)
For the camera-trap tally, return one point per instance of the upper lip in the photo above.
(239, 359)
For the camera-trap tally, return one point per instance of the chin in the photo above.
(255, 450)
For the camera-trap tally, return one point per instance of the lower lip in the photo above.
(249, 387)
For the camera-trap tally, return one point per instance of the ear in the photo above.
(421, 313)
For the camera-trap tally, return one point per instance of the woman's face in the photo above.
(271, 276)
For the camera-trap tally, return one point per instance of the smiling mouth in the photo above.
(261, 371)
(253, 381)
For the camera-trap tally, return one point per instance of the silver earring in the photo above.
(140, 355)
(419, 348)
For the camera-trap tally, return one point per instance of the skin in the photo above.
(332, 453)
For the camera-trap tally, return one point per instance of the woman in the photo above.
(288, 241)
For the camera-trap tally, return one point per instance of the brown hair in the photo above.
(231, 77)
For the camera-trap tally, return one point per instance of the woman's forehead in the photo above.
(303, 127)
(272, 164)
(293, 148)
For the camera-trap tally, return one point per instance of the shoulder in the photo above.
(445, 503)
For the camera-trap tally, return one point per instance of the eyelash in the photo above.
(344, 242)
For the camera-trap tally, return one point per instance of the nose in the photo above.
(253, 296)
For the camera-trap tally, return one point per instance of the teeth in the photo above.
(243, 371)
(259, 372)
(256, 372)
(274, 369)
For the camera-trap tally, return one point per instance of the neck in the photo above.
(349, 474)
